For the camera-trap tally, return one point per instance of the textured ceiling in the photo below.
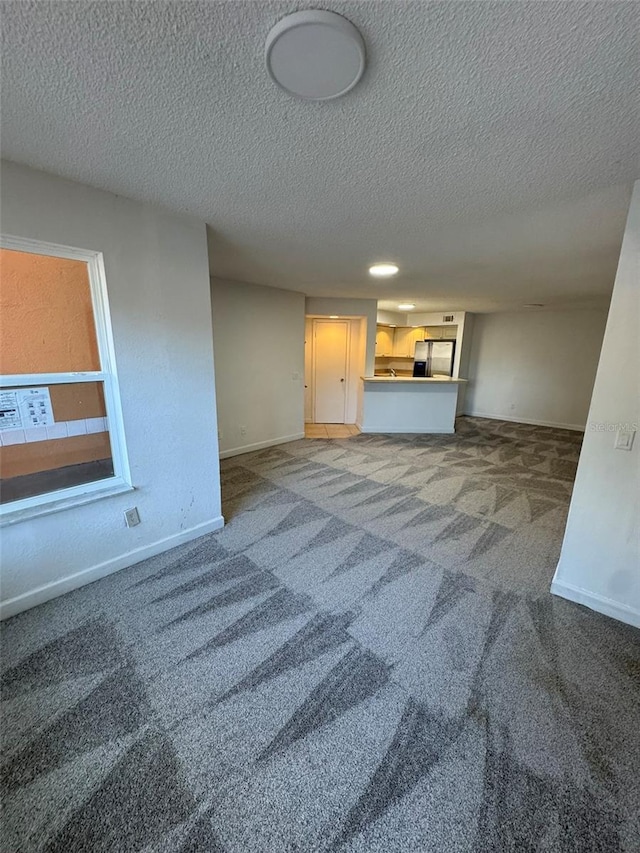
(489, 148)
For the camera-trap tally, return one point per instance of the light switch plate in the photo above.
(624, 439)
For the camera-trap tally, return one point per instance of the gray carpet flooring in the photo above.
(366, 658)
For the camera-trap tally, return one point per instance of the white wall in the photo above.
(462, 361)
(393, 317)
(158, 285)
(535, 366)
(308, 370)
(258, 339)
(409, 407)
(600, 560)
(357, 361)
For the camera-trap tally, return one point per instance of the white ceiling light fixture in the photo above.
(383, 270)
(315, 55)
(407, 306)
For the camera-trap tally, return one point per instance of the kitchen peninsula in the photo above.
(409, 404)
(393, 400)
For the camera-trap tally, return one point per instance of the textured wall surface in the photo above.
(600, 561)
(158, 285)
(258, 341)
(490, 147)
(535, 366)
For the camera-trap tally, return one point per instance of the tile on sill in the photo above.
(32, 434)
(77, 427)
(94, 425)
(57, 430)
(12, 436)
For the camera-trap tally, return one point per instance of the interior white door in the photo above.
(308, 370)
(330, 348)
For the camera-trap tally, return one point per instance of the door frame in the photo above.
(325, 320)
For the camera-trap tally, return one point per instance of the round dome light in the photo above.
(407, 306)
(314, 54)
(383, 270)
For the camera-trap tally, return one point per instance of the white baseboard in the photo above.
(52, 590)
(260, 445)
(614, 609)
(533, 422)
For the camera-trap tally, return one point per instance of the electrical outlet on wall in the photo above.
(243, 429)
(132, 517)
(624, 439)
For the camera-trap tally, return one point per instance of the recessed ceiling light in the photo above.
(534, 305)
(333, 316)
(383, 270)
(315, 54)
(406, 306)
(392, 325)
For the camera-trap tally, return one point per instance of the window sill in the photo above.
(78, 497)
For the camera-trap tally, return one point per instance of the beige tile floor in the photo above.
(330, 430)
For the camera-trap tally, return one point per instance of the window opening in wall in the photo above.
(61, 430)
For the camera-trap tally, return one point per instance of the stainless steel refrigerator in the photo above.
(434, 358)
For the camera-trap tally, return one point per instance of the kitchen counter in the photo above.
(422, 379)
(408, 404)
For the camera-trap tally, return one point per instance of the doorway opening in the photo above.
(334, 361)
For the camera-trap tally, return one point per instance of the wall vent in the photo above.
(447, 318)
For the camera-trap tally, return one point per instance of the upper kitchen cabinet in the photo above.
(384, 341)
(404, 340)
(417, 334)
(438, 333)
